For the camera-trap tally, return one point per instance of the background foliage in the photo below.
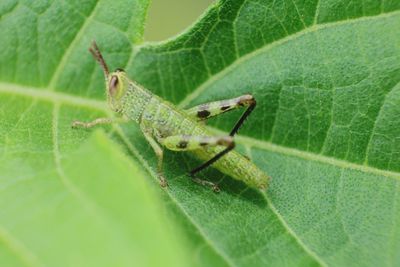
(326, 76)
(168, 18)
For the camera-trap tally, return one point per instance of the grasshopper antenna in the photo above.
(94, 49)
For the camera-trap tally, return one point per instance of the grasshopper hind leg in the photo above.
(207, 110)
(196, 170)
(192, 142)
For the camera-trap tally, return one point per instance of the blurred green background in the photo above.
(167, 18)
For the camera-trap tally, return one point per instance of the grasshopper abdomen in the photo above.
(166, 120)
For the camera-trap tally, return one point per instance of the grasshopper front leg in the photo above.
(98, 121)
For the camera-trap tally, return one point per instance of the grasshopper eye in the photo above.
(113, 85)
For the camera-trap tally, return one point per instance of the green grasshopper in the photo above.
(164, 124)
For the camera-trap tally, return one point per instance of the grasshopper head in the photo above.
(116, 82)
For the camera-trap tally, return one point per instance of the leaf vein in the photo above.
(19, 249)
(291, 232)
(268, 146)
(375, 123)
(202, 87)
(68, 51)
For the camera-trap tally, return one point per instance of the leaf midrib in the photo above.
(268, 146)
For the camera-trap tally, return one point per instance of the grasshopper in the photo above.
(163, 124)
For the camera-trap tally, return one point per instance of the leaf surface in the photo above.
(326, 78)
(73, 214)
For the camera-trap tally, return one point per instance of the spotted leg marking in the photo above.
(208, 110)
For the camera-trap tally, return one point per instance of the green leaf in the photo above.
(326, 77)
(74, 215)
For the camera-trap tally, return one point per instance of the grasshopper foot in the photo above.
(76, 124)
(213, 186)
(163, 181)
(81, 124)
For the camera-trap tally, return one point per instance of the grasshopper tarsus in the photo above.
(214, 187)
(163, 181)
(98, 121)
(75, 124)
